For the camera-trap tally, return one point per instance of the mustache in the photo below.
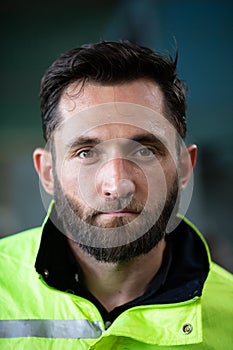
(116, 205)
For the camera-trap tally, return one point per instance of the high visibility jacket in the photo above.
(35, 316)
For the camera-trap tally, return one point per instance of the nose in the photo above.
(115, 179)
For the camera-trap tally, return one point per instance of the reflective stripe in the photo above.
(50, 329)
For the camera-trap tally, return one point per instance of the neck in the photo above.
(114, 284)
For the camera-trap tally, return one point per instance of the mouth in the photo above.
(114, 218)
(119, 213)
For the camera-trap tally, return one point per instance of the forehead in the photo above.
(110, 112)
(78, 97)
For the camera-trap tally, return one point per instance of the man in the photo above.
(113, 266)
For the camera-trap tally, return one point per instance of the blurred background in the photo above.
(35, 33)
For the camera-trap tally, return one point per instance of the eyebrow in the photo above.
(84, 141)
(148, 138)
(93, 141)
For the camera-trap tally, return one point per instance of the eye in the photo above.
(145, 152)
(86, 154)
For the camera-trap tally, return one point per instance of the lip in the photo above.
(122, 213)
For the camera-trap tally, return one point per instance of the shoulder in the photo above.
(218, 292)
(17, 259)
(217, 308)
(219, 277)
(21, 246)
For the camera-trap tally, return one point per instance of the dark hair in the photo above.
(110, 63)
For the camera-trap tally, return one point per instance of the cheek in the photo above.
(79, 182)
(160, 178)
(67, 174)
(151, 183)
(156, 182)
(142, 182)
(171, 172)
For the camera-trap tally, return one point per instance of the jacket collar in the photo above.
(180, 278)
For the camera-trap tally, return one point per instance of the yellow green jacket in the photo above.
(35, 316)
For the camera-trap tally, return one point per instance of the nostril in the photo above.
(110, 193)
(122, 189)
(107, 194)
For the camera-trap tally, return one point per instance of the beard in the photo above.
(122, 239)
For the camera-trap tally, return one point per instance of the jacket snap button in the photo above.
(187, 328)
(107, 324)
(46, 273)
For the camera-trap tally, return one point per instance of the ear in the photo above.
(43, 165)
(188, 162)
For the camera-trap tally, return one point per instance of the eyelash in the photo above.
(92, 154)
(78, 153)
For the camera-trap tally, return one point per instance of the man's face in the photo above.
(115, 172)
